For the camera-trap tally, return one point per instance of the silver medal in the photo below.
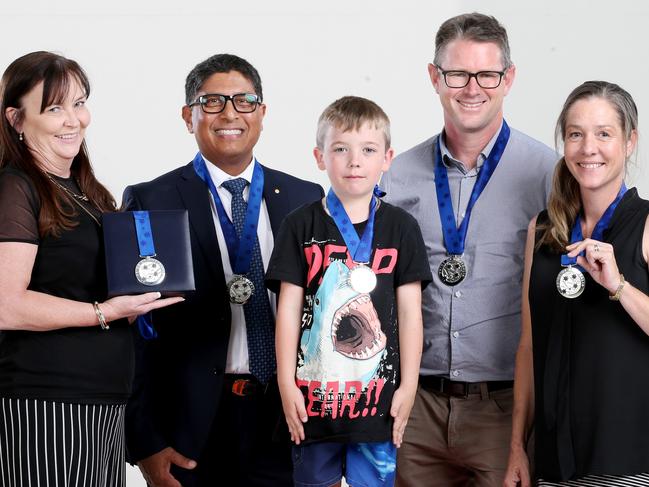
(240, 289)
(362, 279)
(452, 271)
(150, 271)
(571, 282)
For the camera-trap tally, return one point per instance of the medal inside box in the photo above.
(169, 271)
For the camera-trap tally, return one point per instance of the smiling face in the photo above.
(54, 135)
(227, 138)
(595, 146)
(471, 109)
(354, 160)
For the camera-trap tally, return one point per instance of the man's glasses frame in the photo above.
(477, 76)
(241, 102)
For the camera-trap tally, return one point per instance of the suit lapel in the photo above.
(277, 199)
(196, 199)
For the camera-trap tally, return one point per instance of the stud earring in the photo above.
(20, 136)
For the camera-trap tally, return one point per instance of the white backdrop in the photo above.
(137, 54)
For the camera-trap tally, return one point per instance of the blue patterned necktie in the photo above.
(260, 326)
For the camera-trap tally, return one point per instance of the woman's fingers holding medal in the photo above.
(598, 260)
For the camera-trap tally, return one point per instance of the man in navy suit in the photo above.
(195, 392)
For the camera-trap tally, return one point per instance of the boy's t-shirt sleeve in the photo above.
(287, 262)
(413, 262)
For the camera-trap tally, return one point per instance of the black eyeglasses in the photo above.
(215, 102)
(459, 79)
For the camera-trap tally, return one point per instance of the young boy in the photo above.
(351, 268)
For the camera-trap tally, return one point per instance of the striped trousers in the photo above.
(640, 480)
(52, 444)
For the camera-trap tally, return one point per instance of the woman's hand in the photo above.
(130, 306)
(518, 469)
(599, 261)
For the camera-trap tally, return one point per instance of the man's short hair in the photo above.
(472, 27)
(220, 63)
(351, 113)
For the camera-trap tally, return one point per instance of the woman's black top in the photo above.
(591, 363)
(84, 365)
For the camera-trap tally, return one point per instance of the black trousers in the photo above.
(248, 429)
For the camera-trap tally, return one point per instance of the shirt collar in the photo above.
(219, 176)
(449, 160)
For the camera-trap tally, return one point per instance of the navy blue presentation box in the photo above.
(170, 229)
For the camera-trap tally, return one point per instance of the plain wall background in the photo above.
(137, 54)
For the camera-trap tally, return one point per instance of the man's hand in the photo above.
(155, 468)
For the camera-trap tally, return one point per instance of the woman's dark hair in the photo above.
(57, 73)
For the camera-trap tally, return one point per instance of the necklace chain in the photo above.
(76, 198)
(88, 212)
(81, 197)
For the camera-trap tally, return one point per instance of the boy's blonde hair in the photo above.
(351, 113)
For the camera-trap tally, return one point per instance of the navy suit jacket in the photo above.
(179, 375)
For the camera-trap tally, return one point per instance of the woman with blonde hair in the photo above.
(582, 366)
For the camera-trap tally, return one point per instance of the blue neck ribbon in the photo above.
(455, 237)
(598, 232)
(359, 248)
(239, 248)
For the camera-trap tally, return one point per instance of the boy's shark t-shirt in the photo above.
(348, 354)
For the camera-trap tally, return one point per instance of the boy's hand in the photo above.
(294, 410)
(402, 402)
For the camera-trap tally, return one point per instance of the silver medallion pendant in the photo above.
(362, 279)
(150, 271)
(240, 289)
(452, 271)
(571, 282)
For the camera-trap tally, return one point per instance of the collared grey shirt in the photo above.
(471, 330)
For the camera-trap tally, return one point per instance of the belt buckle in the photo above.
(239, 387)
(451, 387)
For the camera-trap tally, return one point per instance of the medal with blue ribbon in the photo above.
(362, 279)
(453, 270)
(239, 288)
(570, 280)
(148, 271)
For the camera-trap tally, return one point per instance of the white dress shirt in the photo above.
(237, 360)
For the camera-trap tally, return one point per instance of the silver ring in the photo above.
(596, 248)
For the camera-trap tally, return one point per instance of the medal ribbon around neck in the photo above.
(455, 237)
(359, 249)
(239, 249)
(598, 232)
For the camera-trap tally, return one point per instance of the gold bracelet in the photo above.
(100, 317)
(618, 291)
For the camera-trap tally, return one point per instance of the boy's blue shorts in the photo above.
(362, 464)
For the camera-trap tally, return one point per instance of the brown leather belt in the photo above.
(455, 388)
